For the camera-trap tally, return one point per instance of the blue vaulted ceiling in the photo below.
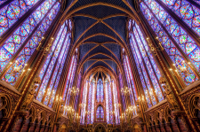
(100, 31)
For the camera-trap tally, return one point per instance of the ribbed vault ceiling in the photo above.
(99, 31)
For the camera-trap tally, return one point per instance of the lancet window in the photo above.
(130, 81)
(100, 92)
(78, 95)
(17, 50)
(176, 24)
(84, 101)
(51, 71)
(116, 102)
(107, 101)
(90, 95)
(70, 79)
(147, 68)
(121, 88)
(93, 99)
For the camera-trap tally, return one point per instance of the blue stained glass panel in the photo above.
(51, 65)
(189, 13)
(100, 113)
(29, 48)
(12, 12)
(168, 44)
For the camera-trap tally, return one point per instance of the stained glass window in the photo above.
(78, 87)
(100, 113)
(84, 100)
(18, 48)
(130, 81)
(89, 103)
(197, 1)
(144, 60)
(93, 101)
(12, 12)
(69, 80)
(107, 101)
(100, 91)
(122, 86)
(189, 13)
(93, 97)
(53, 66)
(175, 40)
(115, 100)
(110, 101)
(2, 1)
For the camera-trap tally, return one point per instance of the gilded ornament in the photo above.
(169, 94)
(31, 94)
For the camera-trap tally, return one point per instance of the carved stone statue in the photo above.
(138, 108)
(169, 94)
(31, 94)
(61, 109)
(28, 101)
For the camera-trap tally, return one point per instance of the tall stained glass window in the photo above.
(116, 102)
(130, 81)
(186, 11)
(100, 94)
(53, 66)
(93, 98)
(69, 80)
(78, 87)
(147, 68)
(121, 87)
(93, 101)
(12, 12)
(16, 51)
(110, 102)
(89, 103)
(181, 47)
(84, 101)
(107, 101)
